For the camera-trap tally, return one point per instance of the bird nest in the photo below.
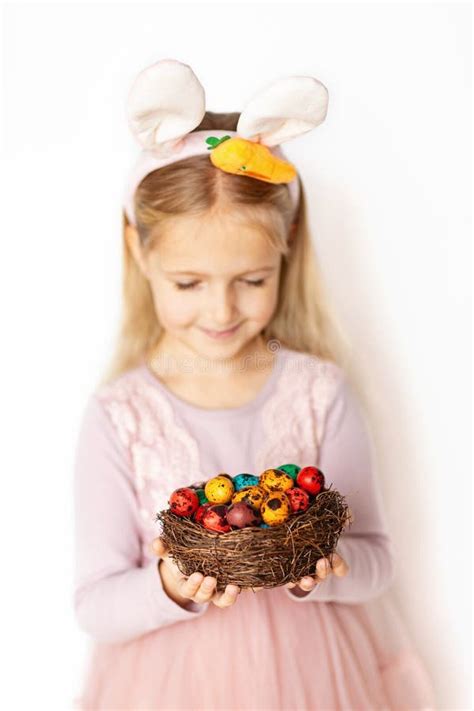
(258, 557)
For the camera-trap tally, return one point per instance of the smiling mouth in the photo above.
(220, 333)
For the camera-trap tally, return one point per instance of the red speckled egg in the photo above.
(184, 502)
(215, 518)
(200, 512)
(310, 479)
(299, 499)
(242, 515)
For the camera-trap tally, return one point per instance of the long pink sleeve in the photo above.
(346, 458)
(138, 442)
(115, 599)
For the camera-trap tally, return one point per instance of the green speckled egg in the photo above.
(291, 469)
(201, 496)
(242, 481)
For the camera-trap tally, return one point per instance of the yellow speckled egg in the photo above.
(253, 495)
(276, 508)
(276, 480)
(219, 489)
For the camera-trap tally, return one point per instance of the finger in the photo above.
(206, 590)
(307, 583)
(323, 568)
(228, 597)
(159, 547)
(290, 585)
(339, 565)
(188, 587)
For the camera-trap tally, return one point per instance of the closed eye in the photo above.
(257, 282)
(190, 285)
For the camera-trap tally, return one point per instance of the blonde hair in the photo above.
(302, 321)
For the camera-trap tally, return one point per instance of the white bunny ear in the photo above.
(285, 108)
(166, 102)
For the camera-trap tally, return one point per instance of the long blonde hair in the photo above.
(303, 320)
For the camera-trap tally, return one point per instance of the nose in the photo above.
(222, 307)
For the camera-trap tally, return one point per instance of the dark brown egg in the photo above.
(242, 515)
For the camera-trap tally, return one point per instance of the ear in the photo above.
(133, 242)
(285, 108)
(165, 103)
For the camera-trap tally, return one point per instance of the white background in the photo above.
(388, 180)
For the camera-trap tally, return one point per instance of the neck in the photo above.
(170, 355)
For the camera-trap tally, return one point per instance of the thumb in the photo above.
(159, 548)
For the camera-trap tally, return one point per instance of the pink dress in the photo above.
(340, 646)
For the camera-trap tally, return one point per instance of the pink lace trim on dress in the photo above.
(164, 455)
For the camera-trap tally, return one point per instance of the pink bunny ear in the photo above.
(165, 103)
(285, 108)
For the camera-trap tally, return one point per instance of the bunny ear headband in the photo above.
(167, 101)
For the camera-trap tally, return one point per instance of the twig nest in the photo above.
(254, 531)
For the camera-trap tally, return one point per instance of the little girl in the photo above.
(226, 363)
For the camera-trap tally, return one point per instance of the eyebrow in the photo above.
(250, 271)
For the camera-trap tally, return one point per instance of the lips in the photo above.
(217, 334)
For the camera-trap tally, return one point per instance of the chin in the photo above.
(231, 349)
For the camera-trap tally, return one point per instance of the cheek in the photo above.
(173, 310)
(259, 305)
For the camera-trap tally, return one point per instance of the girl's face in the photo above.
(214, 284)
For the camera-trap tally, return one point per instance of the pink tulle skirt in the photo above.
(265, 653)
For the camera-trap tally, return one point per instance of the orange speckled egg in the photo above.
(253, 495)
(219, 489)
(275, 508)
(276, 480)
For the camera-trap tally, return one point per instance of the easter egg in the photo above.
(310, 479)
(253, 495)
(299, 499)
(242, 481)
(264, 525)
(276, 508)
(184, 501)
(214, 518)
(276, 480)
(198, 485)
(227, 476)
(219, 489)
(201, 494)
(242, 515)
(199, 513)
(291, 469)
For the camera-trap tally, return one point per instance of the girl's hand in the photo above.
(196, 587)
(324, 569)
(325, 566)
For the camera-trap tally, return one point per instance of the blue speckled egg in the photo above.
(264, 525)
(241, 481)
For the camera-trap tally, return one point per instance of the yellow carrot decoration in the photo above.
(242, 157)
